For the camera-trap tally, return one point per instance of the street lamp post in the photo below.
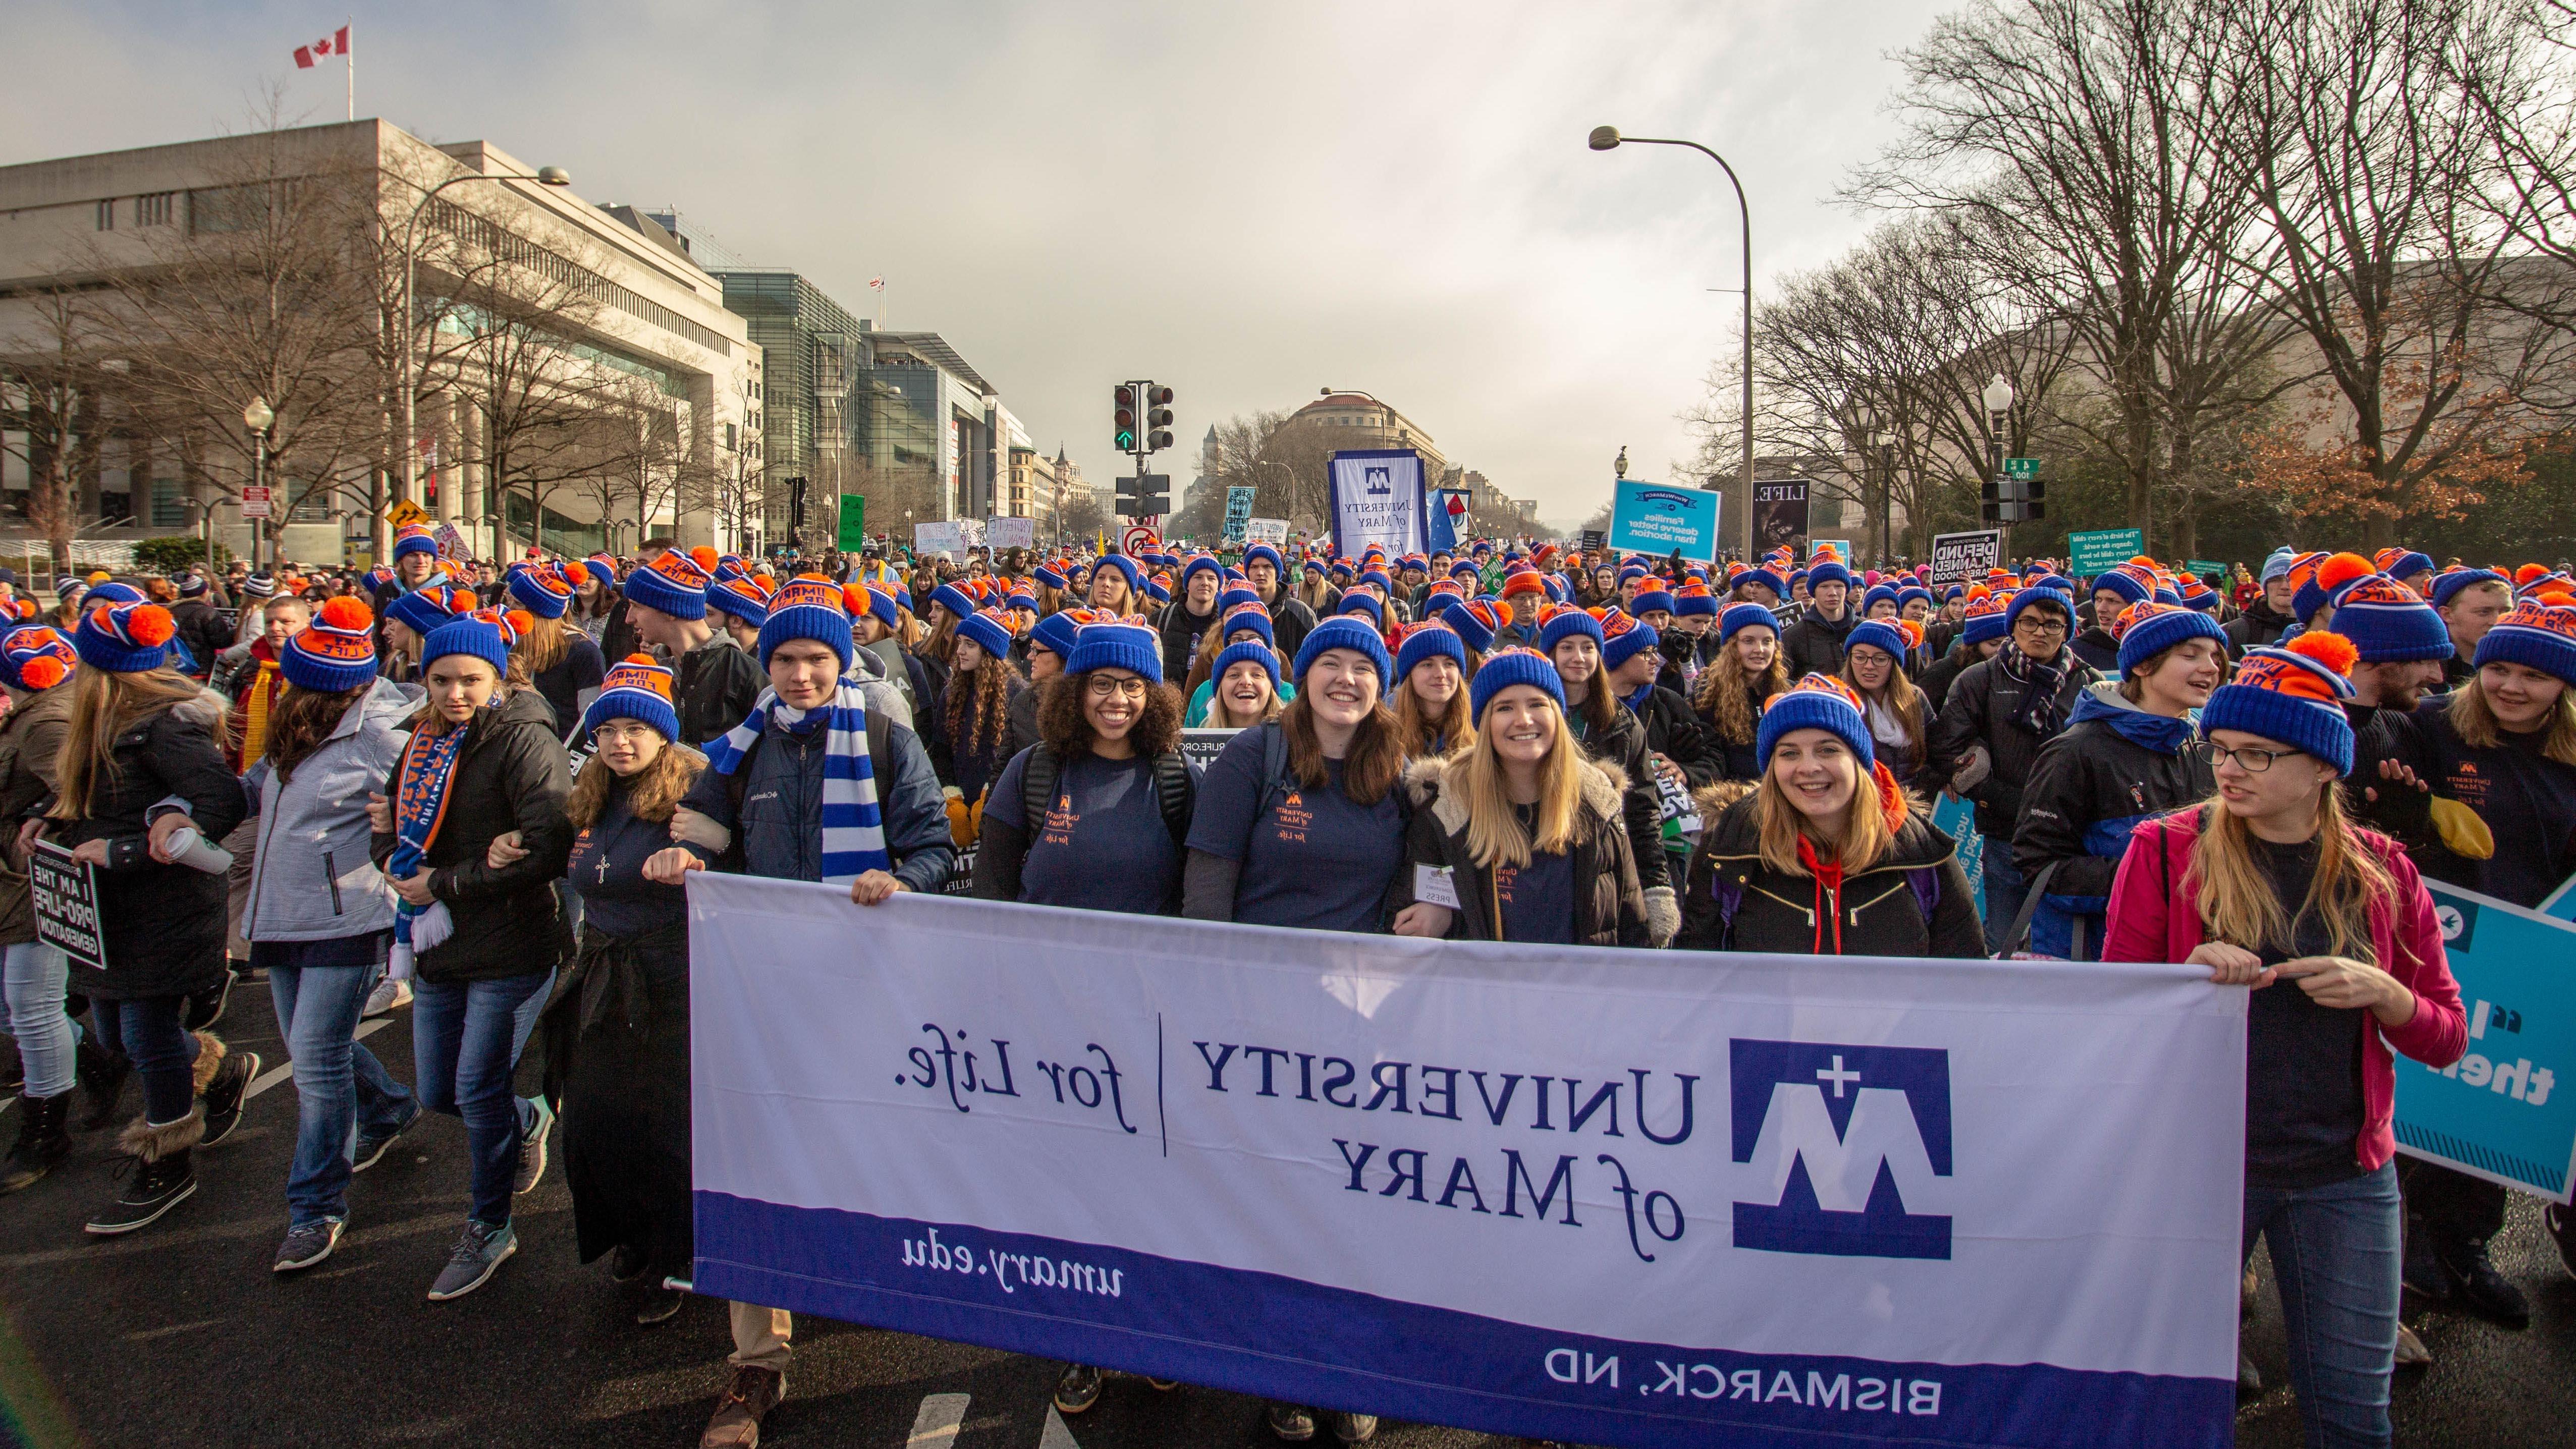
(546, 176)
(258, 417)
(1607, 138)
(1998, 398)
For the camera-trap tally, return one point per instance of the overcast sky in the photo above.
(1246, 202)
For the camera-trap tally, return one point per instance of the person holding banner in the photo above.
(139, 743)
(2272, 886)
(484, 759)
(318, 915)
(1521, 836)
(1825, 855)
(35, 662)
(1742, 677)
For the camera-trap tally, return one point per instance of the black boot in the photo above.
(42, 1142)
(102, 1075)
(163, 1177)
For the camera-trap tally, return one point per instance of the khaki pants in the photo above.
(760, 1336)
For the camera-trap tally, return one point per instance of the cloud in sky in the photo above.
(1243, 202)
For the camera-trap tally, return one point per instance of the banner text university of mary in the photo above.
(1609, 1197)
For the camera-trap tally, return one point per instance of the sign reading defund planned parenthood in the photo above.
(1609, 1197)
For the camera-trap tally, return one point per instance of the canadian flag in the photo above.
(336, 43)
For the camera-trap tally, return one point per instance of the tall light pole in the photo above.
(258, 417)
(1998, 398)
(546, 176)
(1607, 138)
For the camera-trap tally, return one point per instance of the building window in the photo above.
(169, 504)
(107, 216)
(153, 210)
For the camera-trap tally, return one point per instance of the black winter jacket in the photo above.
(1877, 912)
(1609, 904)
(1677, 734)
(162, 925)
(1814, 645)
(511, 775)
(715, 686)
(1979, 711)
(202, 630)
(2112, 768)
(1290, 620)
(1623, 748)
(2255, 628)
(2098, 649)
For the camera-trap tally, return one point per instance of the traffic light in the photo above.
(796, 502)
(1158, 417)
(1129, 407)
(1147, 495)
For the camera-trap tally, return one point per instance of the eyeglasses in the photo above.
(1103, 686)
(2040, 626)
(2252, 761)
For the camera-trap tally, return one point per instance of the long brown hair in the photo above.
(978, 704)
(654, 793)
(941, 646)
(303, 720)
(1067, 732)
(1868, 834)
(1599, 710)
(1419, 728)
(2239, 906)
(1730, 699)
(104, 706)
(2474, 721)
(1375, 761)
(514, 677)
(543, 645)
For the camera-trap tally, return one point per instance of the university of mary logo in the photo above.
(1379, 480)
(1835, 1125)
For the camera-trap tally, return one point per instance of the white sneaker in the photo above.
(389, 993)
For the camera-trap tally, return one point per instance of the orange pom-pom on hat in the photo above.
(2293, 695)
(336, 652)
(36, 657)
(125, 638)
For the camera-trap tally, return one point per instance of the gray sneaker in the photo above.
(307, 1245)
(478, 1253)
(532, 1149)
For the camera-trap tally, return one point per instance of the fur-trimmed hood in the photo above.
(1425, 782)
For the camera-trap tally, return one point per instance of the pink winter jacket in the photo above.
(2155, 916)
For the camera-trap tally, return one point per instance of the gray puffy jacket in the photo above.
(312, 878)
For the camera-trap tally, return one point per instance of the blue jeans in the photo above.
(2337, 1256)
(2005, 891)
(340, 1087)
(147, 1029)
(36, 977)
(465, 1038)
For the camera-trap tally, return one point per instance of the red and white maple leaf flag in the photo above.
(336, 43)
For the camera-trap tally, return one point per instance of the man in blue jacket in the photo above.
(811, 787)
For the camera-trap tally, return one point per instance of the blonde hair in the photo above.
(1900, 695)
(1418, 727)
(2239, 906)
(2474, 721)
(543, 646)
(1495, 836)
(104, 706)
(1867, 834)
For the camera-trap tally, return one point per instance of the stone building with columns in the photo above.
(574, 381)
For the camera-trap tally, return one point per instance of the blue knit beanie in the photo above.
(1427, 640)
(990, 631)
(1768, 577)
(2277, 563)
(2388, 622)
(415, 541)
(1342, 631)
(807, 607)
(1746, 615)
(1127, 566)
(1648, 601)
(2447, 586)
(1501, 671)
(2536, 636)
(2293, 696)
(1695, 601)
(545, 589)
(477, 638)
(1247, 616)
(1117, 644)
(128, 638)
(1055, 633)
(637, 688)
(1051, 576)
(1263, 550)
(1879, 634)
(673, 584)
(1817, 702)
(427, 607)
(1357, 602)
(1987, 618)
(1912, 592)
(335, 653)
(2127, 582)
(1472, 631)
(1828, 572)
(2025, 598)
(1632, 639)
(1874, 596)
(954, 599)
(1246, 652)
(1564, 624)
(2149, 629)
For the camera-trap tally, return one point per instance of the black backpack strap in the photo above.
(1274, 765)
(1037, 789)
(1175, 792)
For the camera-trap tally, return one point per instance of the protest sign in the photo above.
(1238, 512)
(1779, 513)
(1007, 532)
(64, 893)
(1378, 497)
(1959, 557)
(850, 533)
(1957, 819)
(2088, 554)
(1272, 531)
(1606, 1197)
(2205, 569)
(1657, 518)
(2497, 1113)
(1201, 746)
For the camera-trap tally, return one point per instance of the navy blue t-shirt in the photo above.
(1538, 898)
(1310, 858)
(1103, 845)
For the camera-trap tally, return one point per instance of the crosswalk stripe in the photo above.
(1056, 1435)
(275, 1075)
(935, 1426)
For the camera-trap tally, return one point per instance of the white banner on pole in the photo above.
(1272, 531)
(1378, 497)
(1607, 1197)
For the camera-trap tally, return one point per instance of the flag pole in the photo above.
(349, 58)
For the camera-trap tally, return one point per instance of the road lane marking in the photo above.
(1056, 1435)
(275, 1075)
(935, 1426)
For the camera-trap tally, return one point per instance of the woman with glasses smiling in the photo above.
(1992, 725)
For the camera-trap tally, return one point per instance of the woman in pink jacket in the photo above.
(2270, 886)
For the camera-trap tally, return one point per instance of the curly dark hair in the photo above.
(1063, 728)
(976, 710)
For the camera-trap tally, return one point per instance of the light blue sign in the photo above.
(1656, 518)
(1957, 819)
(1238, 512)
(2504, 1111)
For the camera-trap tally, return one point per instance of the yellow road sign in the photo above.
(405, 512)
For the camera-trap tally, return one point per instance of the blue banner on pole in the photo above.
(1657, 518)
(2498, 1112)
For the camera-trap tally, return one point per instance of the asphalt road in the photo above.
(180, 1334)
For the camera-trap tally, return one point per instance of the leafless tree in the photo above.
(52, 408)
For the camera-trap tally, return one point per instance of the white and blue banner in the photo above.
(1378, 497)
(1608, 1197)
(2497, 1112)
(1658, 518)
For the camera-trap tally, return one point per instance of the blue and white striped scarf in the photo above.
(853, 830)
